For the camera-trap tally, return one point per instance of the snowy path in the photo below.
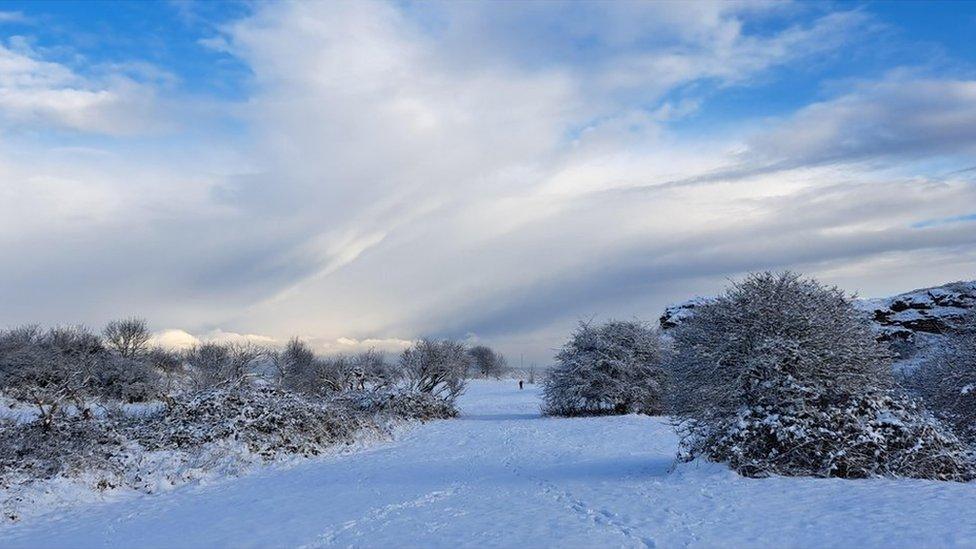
(501, 476)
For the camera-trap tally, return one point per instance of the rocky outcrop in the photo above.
(676, 314)
(929, 310)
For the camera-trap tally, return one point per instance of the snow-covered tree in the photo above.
(436, 367)
(486, 362)
(781, 375)
(615, 367)
(129, 337)
(946, 379)
(295, 365)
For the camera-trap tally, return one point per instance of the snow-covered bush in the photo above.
(169, 365)
(68, 366)
(217, 364)
(32, 370)
(126, 380)
(294, 366)
(612, 368)
(304, 372)
(400, 404)
(373, 372)
(68, 448)
(264, 421)
(229, 427)
(268, 421)
(300, 370)
(860, 436)
(438, 368)
(487, 363)
(946, 379)
(782, 375)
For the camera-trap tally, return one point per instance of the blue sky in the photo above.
(362, 174)
(164, 34)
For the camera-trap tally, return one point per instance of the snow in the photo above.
(502, 476)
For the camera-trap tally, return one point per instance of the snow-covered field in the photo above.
(502, 476)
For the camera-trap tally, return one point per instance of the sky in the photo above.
(363, 174)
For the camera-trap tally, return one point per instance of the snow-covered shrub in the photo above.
(302, 371)
(295, 366)
(374, 372)
(68, 366)
(228, 427)
(342, 373)
(169, 365)
(436, 367)
(400, 404)
(268, 421)
(76, 343)
(946, 379)
(782, 375)
(765, 329)
(217, 364)
(125, 379)
(32, 370)
(861, 436)
(612, 368)
(67, 448)
(487, 363)
(128, 337)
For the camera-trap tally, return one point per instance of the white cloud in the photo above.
(175, 339)
(36, 92)
(439, 183)
(901, 115)
(178, 339)
(349, 345)
(221, 336)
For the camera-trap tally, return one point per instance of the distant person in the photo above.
(520, 385)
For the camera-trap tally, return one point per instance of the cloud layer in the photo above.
(400, 170)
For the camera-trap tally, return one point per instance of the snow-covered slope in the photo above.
(502, 476)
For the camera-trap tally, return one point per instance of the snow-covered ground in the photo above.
(502, 476)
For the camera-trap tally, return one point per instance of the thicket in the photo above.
(782, 375)
(98, 407)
